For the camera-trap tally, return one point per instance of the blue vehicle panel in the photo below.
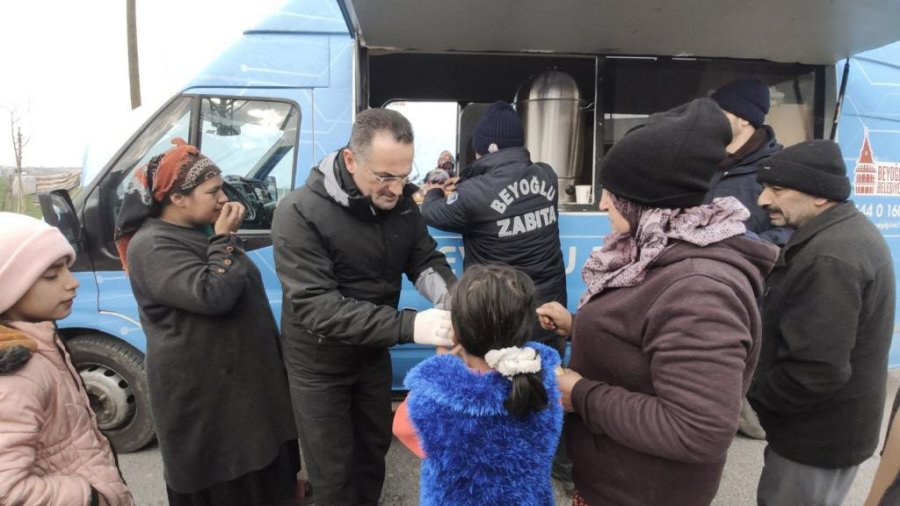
(869, 136)
(306, 16)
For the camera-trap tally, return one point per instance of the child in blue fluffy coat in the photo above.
(486, 416)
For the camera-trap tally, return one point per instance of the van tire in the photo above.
(113, 373)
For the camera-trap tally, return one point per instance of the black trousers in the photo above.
(342, 406)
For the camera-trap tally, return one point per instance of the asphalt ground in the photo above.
(143, 472)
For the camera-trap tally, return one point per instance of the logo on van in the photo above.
(873, 177)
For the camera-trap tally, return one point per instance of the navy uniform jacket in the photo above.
(506, 209)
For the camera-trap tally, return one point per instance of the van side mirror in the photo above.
(59, 212)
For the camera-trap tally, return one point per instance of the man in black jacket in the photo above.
(342, 243)
(506, 209)
(746, 103)
(828, 319)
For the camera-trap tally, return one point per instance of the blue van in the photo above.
(583, 72)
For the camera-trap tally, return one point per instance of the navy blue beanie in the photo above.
(500, 125)
(746, 98)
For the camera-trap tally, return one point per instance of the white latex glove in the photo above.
(432, 327)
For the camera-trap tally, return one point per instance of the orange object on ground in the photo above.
(405, 432)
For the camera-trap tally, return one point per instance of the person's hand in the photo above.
(230, 218)
(565, 381)
(427, 187)
(432, 327)
(450, 185)
(553, 316)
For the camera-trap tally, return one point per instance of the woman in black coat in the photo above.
(218, 389)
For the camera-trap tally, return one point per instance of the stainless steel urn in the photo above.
(553, 115)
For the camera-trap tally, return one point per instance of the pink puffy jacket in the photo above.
(51, 451)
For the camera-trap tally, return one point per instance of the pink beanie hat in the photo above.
(27, 248)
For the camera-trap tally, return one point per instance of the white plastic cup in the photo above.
(583, 194)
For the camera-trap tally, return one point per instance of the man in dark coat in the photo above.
(506, 209)
(746, 103)
(342, 243)
(828, 319)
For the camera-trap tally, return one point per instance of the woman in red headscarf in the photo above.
(218, 390)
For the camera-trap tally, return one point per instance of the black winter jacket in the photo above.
(828, 319)
(341, 261)
(506, 208)
(740, 182)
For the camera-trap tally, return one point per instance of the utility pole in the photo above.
(134, 78)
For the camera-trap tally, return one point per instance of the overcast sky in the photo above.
(64, 65)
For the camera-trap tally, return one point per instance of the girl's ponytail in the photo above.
(522, 366)
(527, 395)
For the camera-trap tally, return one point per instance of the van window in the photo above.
(253, 142)
(435, 129)
(634, 88)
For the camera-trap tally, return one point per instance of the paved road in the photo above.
(143, 471)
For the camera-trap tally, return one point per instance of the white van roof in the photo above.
(805, 31)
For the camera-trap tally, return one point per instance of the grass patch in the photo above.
(8, 202)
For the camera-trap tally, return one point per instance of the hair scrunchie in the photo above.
(514, 360)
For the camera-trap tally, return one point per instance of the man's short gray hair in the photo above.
(371, 121)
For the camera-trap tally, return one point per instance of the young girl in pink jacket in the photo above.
(51, 451)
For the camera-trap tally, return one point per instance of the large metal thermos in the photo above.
(553, 116)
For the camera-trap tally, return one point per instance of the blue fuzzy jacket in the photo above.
(477, 453)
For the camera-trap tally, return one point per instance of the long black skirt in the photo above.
(273, 485)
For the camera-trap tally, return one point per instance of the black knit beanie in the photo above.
(746, 98)
(813, 167)
(670, 162)
(500, 125)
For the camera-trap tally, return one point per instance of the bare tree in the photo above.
(19, 142)
(134, 77)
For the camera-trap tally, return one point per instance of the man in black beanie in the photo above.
(746, 103)
(828, 319)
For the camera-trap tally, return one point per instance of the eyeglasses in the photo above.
(391, 179)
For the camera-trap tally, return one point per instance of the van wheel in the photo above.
(113, 373)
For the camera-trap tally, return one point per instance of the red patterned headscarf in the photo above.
(178, 170)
